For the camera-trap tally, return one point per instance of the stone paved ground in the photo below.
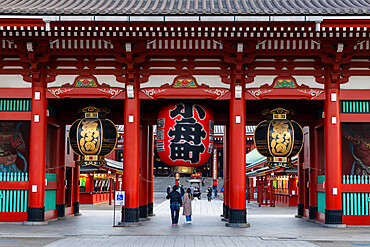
(178, 241)
(270, 226)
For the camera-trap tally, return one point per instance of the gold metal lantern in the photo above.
(278, 138)
(93, 136)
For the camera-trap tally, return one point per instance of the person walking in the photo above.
(209, 194)
(187, 211)
(168, 189)
(175, 203)
(192, 190)
(182, 191)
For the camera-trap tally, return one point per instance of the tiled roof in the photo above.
(185, 7)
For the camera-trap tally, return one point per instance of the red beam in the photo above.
(15, 116)
(15, 93)
(51, 186)
(14, 185)
(320, 188)
(10, 22)
(356, 188)
(13, 216)
(356, 220)
(354, 94)
(345, 23)
(357, 118)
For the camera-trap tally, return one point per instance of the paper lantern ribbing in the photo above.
(185, 134)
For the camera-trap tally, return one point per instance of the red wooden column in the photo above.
(131, 156)
(143, 177)
(76, 190)
(237, 178)
(36, 198)
(301, 186)
(226, 174)
(110, 191)
(117, 182)
(333, 164)
(61, 174)
(314, 172)
(150, 172)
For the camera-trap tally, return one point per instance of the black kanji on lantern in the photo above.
(186, 110)
(188, 133)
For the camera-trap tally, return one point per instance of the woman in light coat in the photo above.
(187, 206)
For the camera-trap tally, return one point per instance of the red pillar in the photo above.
(131, 154)
(314, 172)
(117, 183)
(150, 172)
(143, 178)
(36, 198)
(301, 186)
(226, 173)
(237, 178)
(110, 191)
(61, 175)
(333, 165)
(76, 190)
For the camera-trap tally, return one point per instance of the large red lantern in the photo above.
(185, 134)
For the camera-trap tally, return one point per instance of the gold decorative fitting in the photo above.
(91, 157)
(91, 115)
(280, 159)
(278, 113)
(279, 116)
(93, 112)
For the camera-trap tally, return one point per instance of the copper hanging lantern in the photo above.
(93, 136)
(278, 138)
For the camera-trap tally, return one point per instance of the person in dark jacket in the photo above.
(209, 193)
(182, 191)
(175, 203)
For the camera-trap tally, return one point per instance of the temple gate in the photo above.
(52, 65)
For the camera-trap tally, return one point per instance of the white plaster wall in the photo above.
(13, 81)
(159, 80)
(260, 80)
(211, 81)
(107, 79)
(307, 80)
(357, 82)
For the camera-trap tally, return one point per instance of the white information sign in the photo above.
(119, 198)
